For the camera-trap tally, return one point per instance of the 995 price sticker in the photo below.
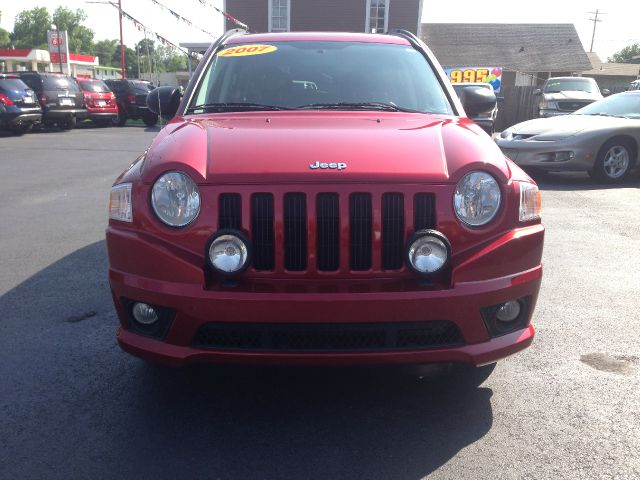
(470, 75)
(247, 50)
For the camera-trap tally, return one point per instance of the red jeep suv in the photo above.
(322, 198)
(99, 100)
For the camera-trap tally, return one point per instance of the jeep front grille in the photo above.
(327, 231)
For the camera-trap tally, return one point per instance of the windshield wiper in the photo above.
(389, 107)
(234, 106)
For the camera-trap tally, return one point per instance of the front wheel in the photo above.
(614, 162)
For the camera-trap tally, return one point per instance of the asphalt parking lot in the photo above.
(73, 405)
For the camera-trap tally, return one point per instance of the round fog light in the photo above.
(428, 252)
(144, 314)
(509, 311)
(228, 253)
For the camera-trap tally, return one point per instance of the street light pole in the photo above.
(124, 70)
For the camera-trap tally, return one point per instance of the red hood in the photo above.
(279, 147)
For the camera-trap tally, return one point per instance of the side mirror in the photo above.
(477, 100)
(164, 101)
(606, 92)
(537, 91)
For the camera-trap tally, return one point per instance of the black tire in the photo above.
(615, 160)
(150, 119)
(21, 129)
(119, 121)
(68, 124)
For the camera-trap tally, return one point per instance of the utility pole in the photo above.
(124, 69)
(595, 22)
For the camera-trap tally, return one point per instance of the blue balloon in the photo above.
(495, 83)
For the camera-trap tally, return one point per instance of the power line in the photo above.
(595, 22)
(180, 17)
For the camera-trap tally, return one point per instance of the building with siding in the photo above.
(326, 15)
(614, 76)
(528, 53)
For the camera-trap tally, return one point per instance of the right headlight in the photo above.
(477, 199)
(175, 199)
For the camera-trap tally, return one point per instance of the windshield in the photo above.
(572, 85)
(94, 86)
(339, 75)
(58, 82)
(621, 105)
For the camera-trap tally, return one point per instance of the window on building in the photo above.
(279, 15)
(377, 16)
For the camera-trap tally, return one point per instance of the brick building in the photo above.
(326, 15)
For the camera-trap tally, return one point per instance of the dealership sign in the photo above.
(58, 47)
(491, 75)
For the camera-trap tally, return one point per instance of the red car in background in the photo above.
(99, 100)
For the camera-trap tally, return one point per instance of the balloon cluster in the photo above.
(494, 78)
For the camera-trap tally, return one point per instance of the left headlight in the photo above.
(120, 203)
(175, 199)
(477, 199)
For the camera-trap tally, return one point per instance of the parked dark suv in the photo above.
(131, 96)
(61, 99)
(19, 109)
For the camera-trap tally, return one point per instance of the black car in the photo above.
(131, 96)
(61, 99)
(19, 108)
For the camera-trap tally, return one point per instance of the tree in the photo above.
(106, 51)
(626, 54)
(80, 37)
(130, 60)
(5, 39)
(30, 28)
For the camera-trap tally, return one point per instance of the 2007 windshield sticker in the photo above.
(246, 50)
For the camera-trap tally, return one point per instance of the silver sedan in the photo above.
(601, 138)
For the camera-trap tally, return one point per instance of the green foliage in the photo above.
(5, 39)
(106, 51)
(30, 28)
(626, 54)
(130, 60)
(80, 37)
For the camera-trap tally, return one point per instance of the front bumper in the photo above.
(526, 153)
(139, 271)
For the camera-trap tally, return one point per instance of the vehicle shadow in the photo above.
(71, 398)
(575, 181)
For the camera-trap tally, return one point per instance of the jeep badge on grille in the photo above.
(325, 166)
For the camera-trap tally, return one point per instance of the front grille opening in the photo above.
(229, 211)
(262, 233)
(424, 211)
(328, 230)
(295, 231)
(334, 337)
(392, 231)
(360, 231)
